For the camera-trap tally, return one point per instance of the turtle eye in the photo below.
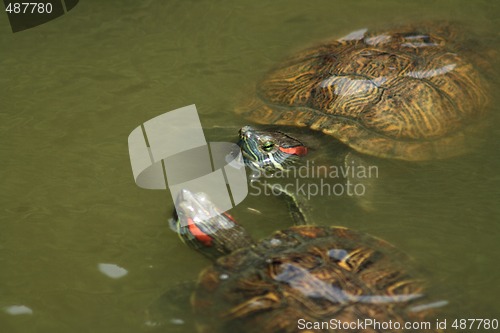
(268, 146)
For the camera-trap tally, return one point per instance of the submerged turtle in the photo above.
(298, 278)
(412, 93)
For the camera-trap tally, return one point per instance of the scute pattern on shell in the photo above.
(407, 93)
(312, 273)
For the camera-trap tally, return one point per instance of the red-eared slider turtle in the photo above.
(298, 278)
(412, 93)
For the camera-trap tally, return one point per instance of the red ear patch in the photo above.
(297, 150)
(230, 217)
(198, 234)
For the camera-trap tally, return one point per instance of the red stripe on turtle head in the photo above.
(297, 150)
(199, 234)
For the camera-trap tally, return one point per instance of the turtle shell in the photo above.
(410, 93)
(308, 274)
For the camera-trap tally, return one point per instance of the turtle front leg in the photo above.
(361, 178)
(297, 204)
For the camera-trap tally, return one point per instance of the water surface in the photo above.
(73, 89)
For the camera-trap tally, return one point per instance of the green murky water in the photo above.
(73, 89)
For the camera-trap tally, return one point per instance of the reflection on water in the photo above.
(76, 87)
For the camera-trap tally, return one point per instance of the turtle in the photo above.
(412, 93)
(306, 278)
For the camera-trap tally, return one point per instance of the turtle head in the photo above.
(201, 225)
(269, 150)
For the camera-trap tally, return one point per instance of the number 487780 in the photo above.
(29, 7)
(475, 324)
